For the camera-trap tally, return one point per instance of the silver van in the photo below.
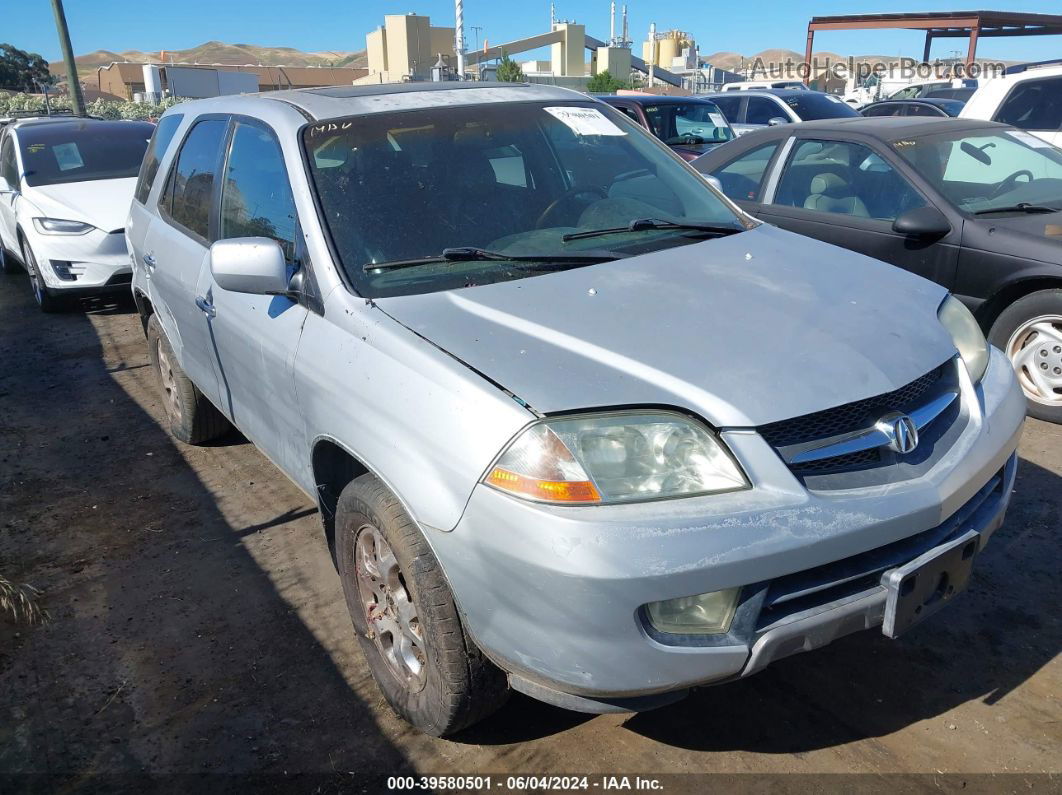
(576, 425)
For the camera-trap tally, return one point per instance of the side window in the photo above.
(917, 109)
(844, 178)
(256, 198)
(8, 164)
(885, 109)
(762, 110)
(631, 112)
(160, 141)
(742, 178)
(1034, 105)
(187, 198)
(730, 107)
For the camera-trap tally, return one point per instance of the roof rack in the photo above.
(23, 114)
(1023, 67)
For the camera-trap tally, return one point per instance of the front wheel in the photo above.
(408, 626)
(46, 300)
(1029, 332)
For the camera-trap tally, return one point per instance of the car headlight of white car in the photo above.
(60, 226)
(626, 456)
(967, 334)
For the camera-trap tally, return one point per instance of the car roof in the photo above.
(72, 125)
(646, 99)
(332, 102)
(885, 128)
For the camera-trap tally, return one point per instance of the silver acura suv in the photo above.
(576, 425)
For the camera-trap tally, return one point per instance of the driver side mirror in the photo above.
(775, 121)
(254, 265)
(922, 222)
(713, 181)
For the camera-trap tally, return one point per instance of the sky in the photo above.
(316, 25)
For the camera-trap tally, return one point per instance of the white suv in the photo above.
(65, 190)
(1030, 99)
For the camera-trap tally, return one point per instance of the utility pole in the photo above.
(77, 102)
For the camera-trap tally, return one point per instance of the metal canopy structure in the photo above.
(944, 25)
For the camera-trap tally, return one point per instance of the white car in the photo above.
(1030, 99)
(65, 190)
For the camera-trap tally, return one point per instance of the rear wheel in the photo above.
(408, 626)
(1029, 332)
(191, 418)
(46, 299)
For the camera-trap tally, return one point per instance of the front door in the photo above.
(845, 193)
(9, 171)
(254, 338)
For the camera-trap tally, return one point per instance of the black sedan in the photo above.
(973, 205)
(690, 126)
(927, 106)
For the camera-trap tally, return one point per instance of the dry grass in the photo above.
(21, 602)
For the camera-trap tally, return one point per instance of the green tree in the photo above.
(509, 71)
(21, 70)
(604, 83)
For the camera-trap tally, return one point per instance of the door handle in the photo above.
(205, 305)
(148, 260)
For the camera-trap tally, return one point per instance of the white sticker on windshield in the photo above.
(67, 156)
(1029, 139)
(717, 119)
(585, 121)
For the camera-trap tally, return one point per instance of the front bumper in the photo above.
(553, 594)
(73, 264)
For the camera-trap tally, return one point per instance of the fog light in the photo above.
(703, 614)
(66, 271)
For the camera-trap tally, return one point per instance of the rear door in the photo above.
(848, 194)
(255, 337)
(175, 247)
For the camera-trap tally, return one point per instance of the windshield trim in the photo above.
(745, 219)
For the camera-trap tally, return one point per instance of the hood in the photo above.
(742, 330)
(104, 203)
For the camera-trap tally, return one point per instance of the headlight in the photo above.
(967, 334)
(621, 457)
(57, 226)
(703, 614)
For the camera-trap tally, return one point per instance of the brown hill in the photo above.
(217, 52)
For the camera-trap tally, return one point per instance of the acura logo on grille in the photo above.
(901, 431)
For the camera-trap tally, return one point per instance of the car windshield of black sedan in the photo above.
(811, 105)
(980, 172)
(508, 178)
(688, 123)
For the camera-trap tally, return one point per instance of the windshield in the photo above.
(514, 178)
(53, 154)
(980, 172)
(693, 123)
(810, 105)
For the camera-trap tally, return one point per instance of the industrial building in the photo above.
(126, 79)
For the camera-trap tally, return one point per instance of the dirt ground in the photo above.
(198, 625)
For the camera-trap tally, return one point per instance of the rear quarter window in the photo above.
(160, 142)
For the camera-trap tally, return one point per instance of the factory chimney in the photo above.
(625, 39)
(459, 37)
(612, 24)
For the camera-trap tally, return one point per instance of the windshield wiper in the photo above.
(1020, 207)
(473, 254)
(638, 224)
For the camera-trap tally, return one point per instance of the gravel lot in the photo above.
(198, 624)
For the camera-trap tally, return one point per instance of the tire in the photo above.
(1029, 332)
(190, 417)
(434, 676)
(45, 298)
(8, 264)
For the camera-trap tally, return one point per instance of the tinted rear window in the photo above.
(53, 154)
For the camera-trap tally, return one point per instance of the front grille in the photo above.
(864, 458)
(849, 417)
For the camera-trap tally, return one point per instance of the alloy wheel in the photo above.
(1035, 350)
(169, 382)
(35, 280)
(394, 626)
